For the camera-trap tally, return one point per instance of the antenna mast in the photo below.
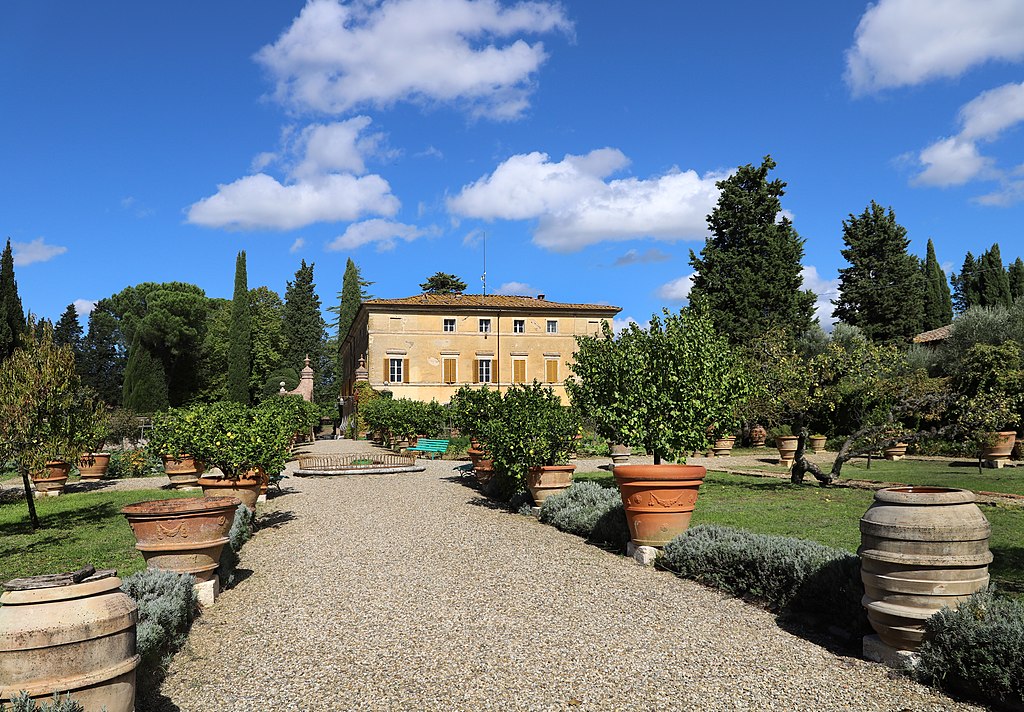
(483, 277)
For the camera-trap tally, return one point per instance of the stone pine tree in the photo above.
(938, 304)
(882, 291)
(145, 384)
(103, 359)
(12, 315)
(965, 284)
(443, 283)
(240, 339)
(749, 271)
(993, 281)
(303, 328)
(1016, 277)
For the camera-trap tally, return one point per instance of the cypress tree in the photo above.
(353, 293)
(1016, 276)
(12, 315)
(145, 384)
(240, 338)
(69, 332)
(303, 328)
(965, 284)
(993, 281)
(938, 304)
(265, 309)
(882, 291)
(103, 360)
(749, 271)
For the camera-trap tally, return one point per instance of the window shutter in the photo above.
(476, 371)
(387, 369)
(406, 374)
(551, 366)
(448, 370)
(519, 371)
(494, 372)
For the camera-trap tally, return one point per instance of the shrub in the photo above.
(167, 605)
(134, 463)
(23, 703)
(241, 532)
(785, 574)
(589, 510)
(977, 649)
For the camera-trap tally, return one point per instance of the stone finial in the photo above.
(362, 374)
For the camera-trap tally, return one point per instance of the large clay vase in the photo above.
(483, 470)
(548, 480)
(816, 443)
(658, 499)
(475, 455)
(620, 454)
(57, 635)
(183, 535)
(723, 446)
(787, 449)
(246, 488)
(182, 471)
(51, 481)
(93, 466)
(895, 452)
(758, 435)
(922, 549)
(999, 452)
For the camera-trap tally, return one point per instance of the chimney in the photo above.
(540, 297)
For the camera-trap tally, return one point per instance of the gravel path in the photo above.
(409, 592)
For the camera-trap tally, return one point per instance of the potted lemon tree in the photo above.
(658, 387)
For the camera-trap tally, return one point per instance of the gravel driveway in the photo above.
(409, 592)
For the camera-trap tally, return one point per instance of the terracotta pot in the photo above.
(475, 455)
(183, 471)
(1000, 452)
(93, 466)
(895, 452)
(620, 454)
(548, 480)
(922, 549)
(483, 470)
(52, 481)
(787, 449)
(659, 500)
(758, 435)
(60, 636)
(816, 443)
(245, 488)
(723, 446)
(264, 481)
(183, 535)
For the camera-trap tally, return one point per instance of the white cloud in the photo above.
(516, 289)
(337, 56)
(992, 112)
(907, 42)
(383, 232)
(678, 290)
(299, 243)
(336, 147)
(260, 201)
(84, 307)
(648, 256)
(26, 253)
(951, 161)
(575, 206)
(826, 291)
(618, 325)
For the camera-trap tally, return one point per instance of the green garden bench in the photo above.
(437, 447)
(276, 480)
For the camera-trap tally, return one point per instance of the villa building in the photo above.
(427, 346)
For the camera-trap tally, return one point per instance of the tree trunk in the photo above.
(29, 497)
(801, 465)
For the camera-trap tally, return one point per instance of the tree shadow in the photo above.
(276, 519)
(92, 486)
(63, 520)
(1008, 561)
(154, 701)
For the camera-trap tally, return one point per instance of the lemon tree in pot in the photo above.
(531, 437)
(660, 388)
(228, 437)
(172, 440)
(470, 409)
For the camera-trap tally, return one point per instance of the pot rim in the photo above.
(179, 506)
(630, 473)
(924, 495)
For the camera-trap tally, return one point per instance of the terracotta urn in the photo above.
(787, 449)
(475, 455)
(816, 443)
(620, 454)
(999, 452)
(93, 466)
(51, 481)
(183, 471)
(246, 488)
(758, 435)
(723, 446)
(658, 499)
(895, 452)
(547, 480)
(182, 535)
(483, 470)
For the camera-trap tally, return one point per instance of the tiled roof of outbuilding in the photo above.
(940, 334)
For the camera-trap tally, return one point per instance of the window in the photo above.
(552, 326)
(449, 369)
(485, 326)
(519, 370)
(551, 370)
(396, 370)
(483, 372)
(519, 326)
(449, 325)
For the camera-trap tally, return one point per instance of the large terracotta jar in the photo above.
(246, 488)
(475, 455)
(62, 635)
(51, 481)
(1000, 451)
(922, 549)
(895, 452)
(787, 449)
(723, 446)
(658, 499)
(183, 471)
(548, 480)
(183, 535)
(758, 435)
(483, 470)
(816, 443)
(93, 466)
(620, 454)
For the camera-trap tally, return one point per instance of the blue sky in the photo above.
(142, 143)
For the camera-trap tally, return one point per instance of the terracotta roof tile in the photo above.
(489, 300)
(940, 334)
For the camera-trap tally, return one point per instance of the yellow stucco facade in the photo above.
(427, 347)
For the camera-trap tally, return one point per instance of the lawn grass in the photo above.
(75, 530)
(829, 516)
(938, 473)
